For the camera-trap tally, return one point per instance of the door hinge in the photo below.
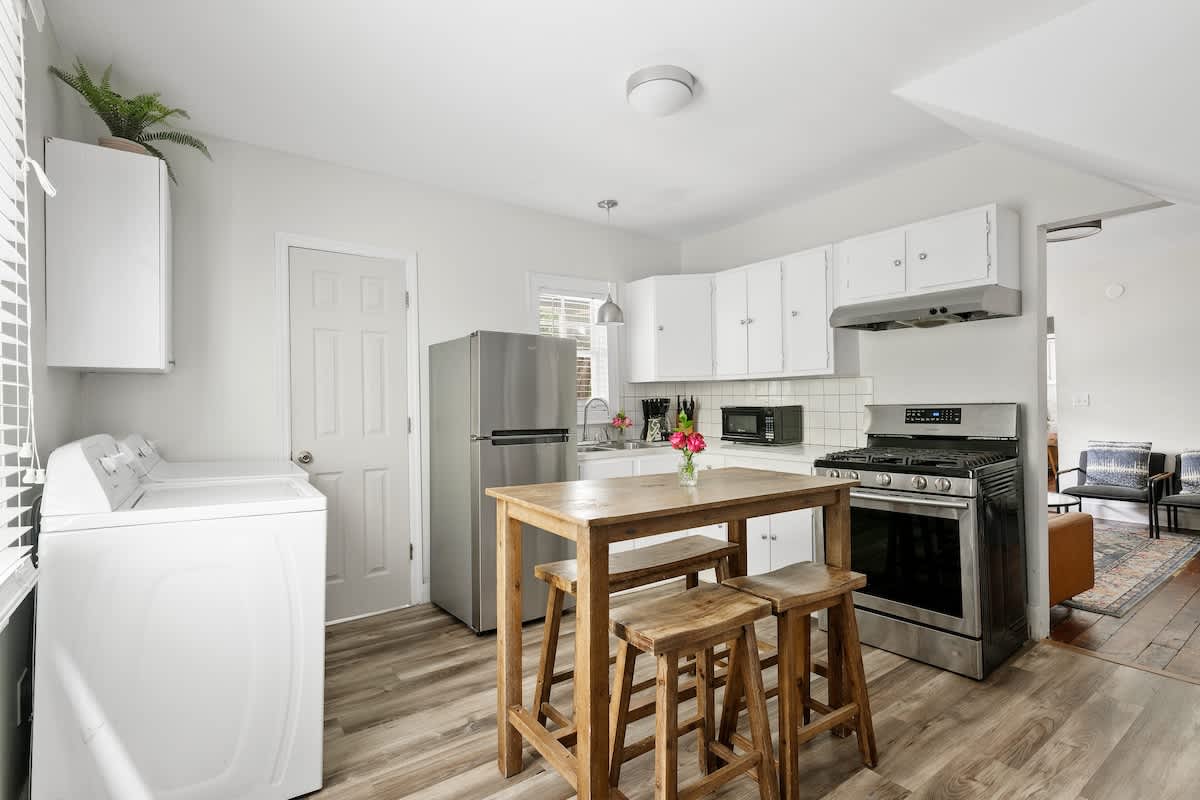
(407, 299)
(410, 551)
(410, 424)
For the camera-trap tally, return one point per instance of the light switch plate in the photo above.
(1081, 400)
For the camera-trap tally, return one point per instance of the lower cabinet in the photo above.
(779, 539)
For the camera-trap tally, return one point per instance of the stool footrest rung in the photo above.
(733, 768)
(559, 757)
(833, 719)
(643, 746)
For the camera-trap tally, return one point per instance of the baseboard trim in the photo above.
(368, 614)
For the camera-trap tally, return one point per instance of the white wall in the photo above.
(1135, 356)
(991, 361)
(223, 398)
(52, 110)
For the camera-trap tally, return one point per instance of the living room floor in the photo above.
(1162, 633)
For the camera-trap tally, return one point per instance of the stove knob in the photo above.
(833, 473)
(919, 482)
(942, 484)
(852, 475)
(883, 479)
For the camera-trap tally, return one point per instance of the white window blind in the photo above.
(19, 468)
(571, 316)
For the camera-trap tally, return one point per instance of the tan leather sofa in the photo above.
(1072, 570)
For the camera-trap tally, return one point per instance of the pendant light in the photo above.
(609, 313)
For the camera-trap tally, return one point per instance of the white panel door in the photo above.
(791, 537)
(949, 251)
(871, 267)
(764, 319)
(729, 323)
(349, 410)
(807, 336)
(682, 310)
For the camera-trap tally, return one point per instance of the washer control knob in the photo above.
(833, 473)
(942, 484)
(919, 482)
(883, 479)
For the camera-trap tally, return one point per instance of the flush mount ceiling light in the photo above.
(660, 90)
(1076, 230)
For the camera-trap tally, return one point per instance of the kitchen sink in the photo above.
(594, 447)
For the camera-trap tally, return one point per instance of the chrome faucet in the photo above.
(607, 411)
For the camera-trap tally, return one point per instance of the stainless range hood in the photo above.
(930, 310)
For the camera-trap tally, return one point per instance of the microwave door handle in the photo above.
(912, 501)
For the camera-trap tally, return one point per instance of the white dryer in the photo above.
(180, 635)
(149, 463)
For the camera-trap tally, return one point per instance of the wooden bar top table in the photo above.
(594, 514)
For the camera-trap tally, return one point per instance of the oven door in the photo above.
(744, 424)
(920, 556)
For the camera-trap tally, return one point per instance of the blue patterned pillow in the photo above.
(1118, 464)
(1189, 472)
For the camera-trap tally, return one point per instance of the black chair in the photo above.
(1149, 495)
(1175, 499)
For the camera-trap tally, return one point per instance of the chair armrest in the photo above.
(1153, 485)
(1072, 469)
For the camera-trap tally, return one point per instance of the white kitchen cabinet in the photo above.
(748, 320)
(108, 260)
(669, 327)
(729, 323)
(808, 341)
(609, 468)
(975, 247)
(871, 267)
(777, 540)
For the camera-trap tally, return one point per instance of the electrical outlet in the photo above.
(1081, 400)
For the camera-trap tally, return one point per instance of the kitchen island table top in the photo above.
(593, 514)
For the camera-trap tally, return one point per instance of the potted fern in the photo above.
(138, 124)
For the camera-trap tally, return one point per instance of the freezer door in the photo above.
(522, 382)
(515, 461)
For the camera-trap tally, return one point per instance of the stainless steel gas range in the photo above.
(937, 526)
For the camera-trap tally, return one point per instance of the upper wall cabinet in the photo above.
(808, 341)
(668, 321)
(108, 260)
(747, 320)
(969, 248)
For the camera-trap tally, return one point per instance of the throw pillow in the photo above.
(1118, 464)
(1189, 472)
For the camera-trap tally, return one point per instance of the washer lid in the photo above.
(207, 500)
(187, 471)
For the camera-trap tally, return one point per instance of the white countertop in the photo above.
(797, 452)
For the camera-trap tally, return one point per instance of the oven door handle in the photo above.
(912, 501)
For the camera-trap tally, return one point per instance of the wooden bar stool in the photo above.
(685, 557)
(795, 592)
(694, 621)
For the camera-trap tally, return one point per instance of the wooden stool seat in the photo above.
(805, 584)
(795, 592)
(645, 565)
(694, 621)
(687, 621)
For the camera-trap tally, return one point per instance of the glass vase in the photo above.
(688, 476)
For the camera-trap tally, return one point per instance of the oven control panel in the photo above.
(944, 415)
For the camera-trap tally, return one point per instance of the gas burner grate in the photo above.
(917, 457)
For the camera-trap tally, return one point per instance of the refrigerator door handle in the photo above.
(501, 438)
(475, 437)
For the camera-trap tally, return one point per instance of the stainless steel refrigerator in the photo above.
(502, 413)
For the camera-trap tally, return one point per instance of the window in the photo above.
(566, 307)
(19, 467)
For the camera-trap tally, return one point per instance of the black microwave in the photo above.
(762, 424)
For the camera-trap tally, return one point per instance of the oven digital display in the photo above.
(933, 416)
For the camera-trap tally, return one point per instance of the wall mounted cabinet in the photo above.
(976, 247)
(748, 320)
(668, 322)
(108, 260)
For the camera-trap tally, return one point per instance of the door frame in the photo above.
(283, 293)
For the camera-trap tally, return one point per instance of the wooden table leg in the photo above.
(837, 554)
(736, 534)
(790, 702)
(591, 665)
(508, 638)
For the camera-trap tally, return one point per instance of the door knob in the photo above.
(304, 457)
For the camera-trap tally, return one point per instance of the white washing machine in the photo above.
(149, 463)
(180, 635)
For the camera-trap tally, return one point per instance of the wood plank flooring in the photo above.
(410, 713)
(1162, 632)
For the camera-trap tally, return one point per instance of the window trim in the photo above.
(573, 284)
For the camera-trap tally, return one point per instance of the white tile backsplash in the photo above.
(833, 407)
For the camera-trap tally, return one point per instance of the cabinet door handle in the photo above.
(764, 537)
(748, 320)
(897, 263)
(795, 313)
(774, 538)
(741, 322)
(923, 256)
(660, 327)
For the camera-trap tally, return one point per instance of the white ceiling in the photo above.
(523, 100)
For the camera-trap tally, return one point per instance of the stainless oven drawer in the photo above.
(939, 648)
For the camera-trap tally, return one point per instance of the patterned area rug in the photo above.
(1130, 566)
